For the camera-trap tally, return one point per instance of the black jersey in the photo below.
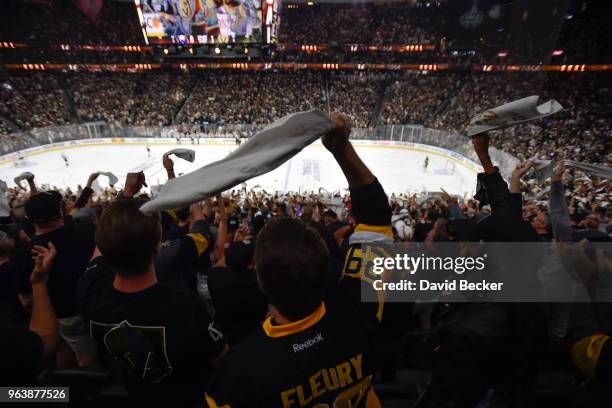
(324, 359)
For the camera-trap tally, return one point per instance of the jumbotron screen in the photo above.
(207, 21)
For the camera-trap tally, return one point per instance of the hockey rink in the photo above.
(399, 169)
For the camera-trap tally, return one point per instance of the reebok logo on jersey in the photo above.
(308, 343)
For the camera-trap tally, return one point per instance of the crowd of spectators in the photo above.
(413, 99)
(280, 94)
(108, 98)
(159, 97)
(90, 269)
(357, 95)
(36, 100)
(219, 98)
(360, 23)
(254, 297)
(61, 22)
(439, 101)
(578, 132)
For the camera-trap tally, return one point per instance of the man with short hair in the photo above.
(315, 349)
(75, 244)
(161, 334)
(240, 306)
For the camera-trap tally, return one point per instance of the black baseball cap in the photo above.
(330, 213)
(239, 254)
(44, 206)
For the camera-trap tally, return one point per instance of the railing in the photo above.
(403, 133)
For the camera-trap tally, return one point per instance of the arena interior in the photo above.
(207, 203)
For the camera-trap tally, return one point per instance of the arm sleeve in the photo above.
(370, 205)
(84, 197)
(500, 197)
(559, 213)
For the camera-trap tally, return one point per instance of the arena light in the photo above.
(166, 51)
(310, 3)
(217, 50)
(191, 50)
(502, 54)
(556, 53)
(246, 50)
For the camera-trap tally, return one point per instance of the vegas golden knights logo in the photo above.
(185, 9)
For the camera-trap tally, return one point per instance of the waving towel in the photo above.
(112, 179)
(543, 169)
(23, 176)
(510, 114)
(185, 154)
(262, 153)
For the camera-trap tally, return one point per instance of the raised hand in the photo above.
(481, 147)
(522, 168)
(169, 166)
(558, 172)
(133, 184)
(92, 178)
(337, 138)
(43, 261)
(168, 163)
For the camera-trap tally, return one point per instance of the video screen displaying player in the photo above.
(202, 21)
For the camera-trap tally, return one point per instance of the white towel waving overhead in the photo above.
(23, 176)
(510, 114)
(112, 179)
(262, 153)
(185, 154)
(543, 169)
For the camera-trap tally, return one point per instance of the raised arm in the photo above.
(370, 205)
(87, 191)
(337, 142)
(559, 213)
(517, 174)
(492, 187)
(43, 321)
(371, 210)
(32, 185)
(222, 231)
(169, 166)
(133, 184)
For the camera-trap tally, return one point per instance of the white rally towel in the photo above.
(112, 179)
(543, 169)
(185, 154)
(262, 153)
(595, 170)
(23, 176)
(512, 113)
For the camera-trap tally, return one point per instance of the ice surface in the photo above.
(398, 169)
